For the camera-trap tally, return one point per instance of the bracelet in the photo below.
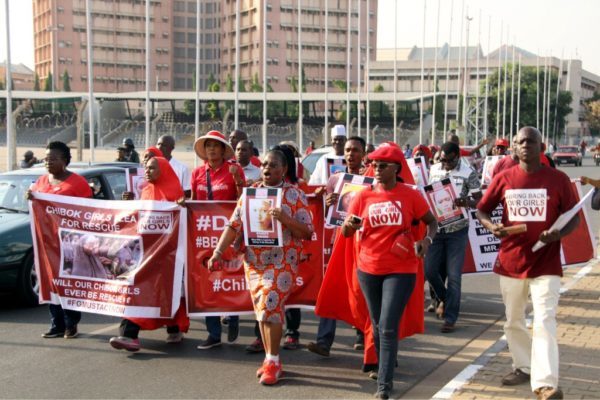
(430, 239)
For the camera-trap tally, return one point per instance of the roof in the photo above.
(518, 52)
(18, 68)
(443, 53)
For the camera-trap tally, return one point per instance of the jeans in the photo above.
(447, 251)
(293, 317)
(537, 355)
(132, 330)
(326, 333)
(63, 319)
(213, 325)
(386, 297)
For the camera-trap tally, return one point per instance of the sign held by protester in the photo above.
(488, 169)
(260, 227)
(441, 196)
(347, 187)
(418, 168)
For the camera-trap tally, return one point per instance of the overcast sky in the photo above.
(558, 27)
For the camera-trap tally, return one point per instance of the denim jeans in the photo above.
(326, 333)
(63, 319)
(293, 317)
(386, 297)
(447, 254)
(131, 330)
(213, 325)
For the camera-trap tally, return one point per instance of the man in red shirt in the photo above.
(235, 137)
(535, 195)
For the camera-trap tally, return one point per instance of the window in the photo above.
(96, 186)
(178, 22)
(116, 182)
(191, 22)
(191, 52)
(179, 6)
(179, 68)
(179, 37)
(179, 51)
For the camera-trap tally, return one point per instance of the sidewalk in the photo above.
(579, 344)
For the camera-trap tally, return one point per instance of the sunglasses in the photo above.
(382, 165)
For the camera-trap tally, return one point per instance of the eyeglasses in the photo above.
(449, 160)
(382, 165)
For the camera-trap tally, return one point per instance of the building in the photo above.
(581, 83)
(282, 41)
(22, 77)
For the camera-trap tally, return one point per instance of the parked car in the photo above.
(567, 155)
(310, 161)
(17, 274)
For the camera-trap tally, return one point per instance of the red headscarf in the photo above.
(391, 152)
(155, 151)
(423, 149)
(166, 187)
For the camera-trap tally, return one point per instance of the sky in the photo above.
(562, 28)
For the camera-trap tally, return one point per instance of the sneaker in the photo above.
(272, 371)
(256, 346)
(439, 311)
(547, 392)
(176, 337)
(382, 395)
(318, 349)
(359, 344)
(291, 343)
(373, 375)
(53, 333)
(209, 343)
(71, 333)
(447, 327)
(233, 332)
(261, 370)
(431, 307)
(517, 377)
(125, 343)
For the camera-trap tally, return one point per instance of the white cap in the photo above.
(338, 130)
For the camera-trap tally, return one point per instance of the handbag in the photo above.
(404, 245)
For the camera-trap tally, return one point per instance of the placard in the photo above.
(260, 227)
(347, 187)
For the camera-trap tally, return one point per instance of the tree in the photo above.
(48, 85)
(255, 107)
(528, 100)
(66, 82)
(592, 115)
(36, 82)
(213, 106)
(379, 109)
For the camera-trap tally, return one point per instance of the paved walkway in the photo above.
(579, 343)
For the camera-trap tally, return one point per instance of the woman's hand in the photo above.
(351, 225)
(214, 261)
(422, 246)
(234, 170)
(28, 195)
(279, 215)
(127, 196)
(331, 199)
(181, 201)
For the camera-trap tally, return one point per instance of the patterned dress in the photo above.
(271, 271)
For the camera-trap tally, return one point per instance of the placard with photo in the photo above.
(347, 187)
(488, 169)
(136, 181)
(419, 170)
(441, 196)
(335, 165)
(260, 228)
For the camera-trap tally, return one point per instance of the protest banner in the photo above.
(121, 258)
(260, 227)
(347, 187)
(419, 170)
(224, 291)
(440, 196)
(482, 249)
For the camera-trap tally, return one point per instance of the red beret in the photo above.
(388, 151)
(423, 149)
(502, 142)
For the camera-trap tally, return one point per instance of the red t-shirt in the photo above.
(464, 153)
(386, 214)
(505, 163)
(536, 199)
(255, 161)
(75, 186)
(221, 181)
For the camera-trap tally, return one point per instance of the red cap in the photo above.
(502, 143)
(213, 135)
(388, 151)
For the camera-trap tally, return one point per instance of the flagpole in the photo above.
(518, 99)
(358, 64)
(499, 80)
(422, 73)
(460, 50)
(477, 81)
(236, 90)
(348, 47)
(435, 68)
(396, 73)
(264, 71)
(11, 143)
(487, 81)
(367, 78)
(548, 94)
(300, 78)
(197, 102)
(90, 71)
(544, 99)
(537, 91)
(505, 83)
(325, 135)
(512, 90)
(555, 127)
(448, 56)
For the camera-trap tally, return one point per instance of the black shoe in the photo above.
(256, 346)
(233, 331)
(370, 367)
(382, 395)
(517, 377)
(359, 344)
(53, 333)
(209, 343)
(318, 349)
(447, 327)
(71, 333)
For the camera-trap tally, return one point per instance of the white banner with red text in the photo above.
(120, 258)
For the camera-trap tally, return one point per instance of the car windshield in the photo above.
(12, 191)
(310, 161)
(569, 149)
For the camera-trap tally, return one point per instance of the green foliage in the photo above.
(48, 83)
(255, 108)
(528, 91)
(378, 108)
(212, 107)
(66, 82)
(36, 82)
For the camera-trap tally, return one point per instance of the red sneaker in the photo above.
(261, 370)
(291, 343)
(272, 371)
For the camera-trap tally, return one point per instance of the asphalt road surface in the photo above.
(87, 367)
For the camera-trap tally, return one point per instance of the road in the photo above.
(87, 367)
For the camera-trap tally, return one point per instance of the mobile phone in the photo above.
(355, 220)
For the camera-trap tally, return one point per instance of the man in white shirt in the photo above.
(320, 175)
(243, 152)
(166, 144)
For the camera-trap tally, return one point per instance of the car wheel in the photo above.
(29, 285)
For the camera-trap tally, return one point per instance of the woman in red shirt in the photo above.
(218, 178)
(61, 181)
(163, 185)
(387, 259)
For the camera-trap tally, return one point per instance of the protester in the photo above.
(387, 278)
(28, 160)
(500, 147)
(354, 152)
(310, 148)
(321, 174)
(508, 161)
(422, 151)
(407, 151)
(219, 178)
(121, 150)
(271, 271)
(370, 148)
(166, 144)
(243, 153)
(130, 154)
(582, 147)
(303, 174)
(63, 182)
(453, 137)
(447, 252)
(524, 273)
(234, 138)
(163, 185)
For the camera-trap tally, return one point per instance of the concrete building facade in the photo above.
(22, 77)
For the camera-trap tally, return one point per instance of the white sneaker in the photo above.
(175, 337)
